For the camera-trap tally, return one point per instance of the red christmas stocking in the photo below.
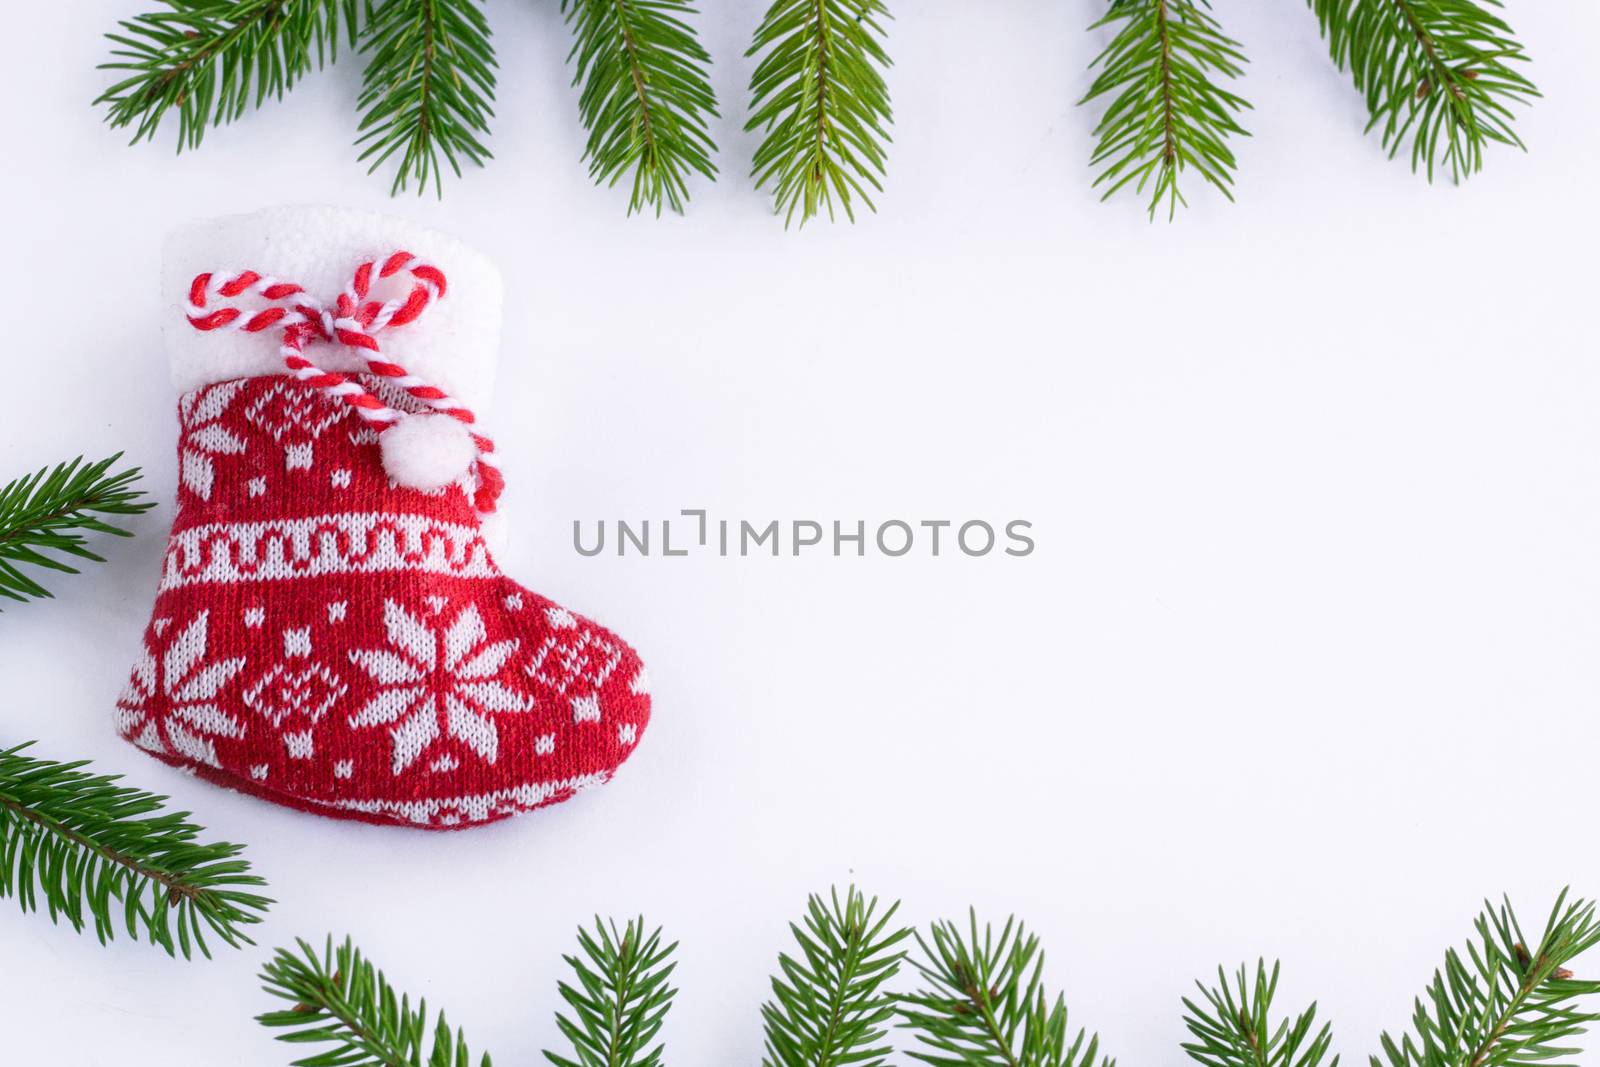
(331, 631)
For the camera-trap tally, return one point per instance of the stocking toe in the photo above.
(588, 695)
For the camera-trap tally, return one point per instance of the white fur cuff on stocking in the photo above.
(455, 346)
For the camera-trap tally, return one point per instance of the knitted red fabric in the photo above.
(329, 641)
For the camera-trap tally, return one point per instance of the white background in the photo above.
(1304, 664)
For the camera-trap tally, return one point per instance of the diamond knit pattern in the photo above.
(329, 641)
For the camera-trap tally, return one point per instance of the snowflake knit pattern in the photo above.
(329, 640)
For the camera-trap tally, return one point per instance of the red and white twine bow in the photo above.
(352, 321)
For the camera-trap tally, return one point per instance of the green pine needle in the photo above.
(1503, 1004)
(1168, 113)
(620, 1000)
(1235, 1027)
(830, 1006)
(339, 998)
(820, 96)
(97, 851)
(48, 514)
(427, 89)
(210, 60)
(1439, 73)
(985, 1005)
(646, 97)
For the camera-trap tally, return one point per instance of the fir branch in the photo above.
(1436, 72)
(820, 95)
(96, 850)
(620, 1000)
(1503, 1004)
(1168, 112)
(212, 59)
(48, 514)
(1235, 1028)
(830, 1006)
(646, 96)
(985, 1005)
(339, 998)
(427, 89)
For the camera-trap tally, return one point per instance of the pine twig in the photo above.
(646, 97)
(1504, 1003)
(820, 96)
(621, 998)
(985, 1005)
(339, 998)
(1436, 72)
(1168, 113)
(48, 514)
(427, 89)
(1235, 1027)
(830, 1006)
(98, 851)
(210, 60)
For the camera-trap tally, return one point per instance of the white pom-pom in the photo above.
(427, 451)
